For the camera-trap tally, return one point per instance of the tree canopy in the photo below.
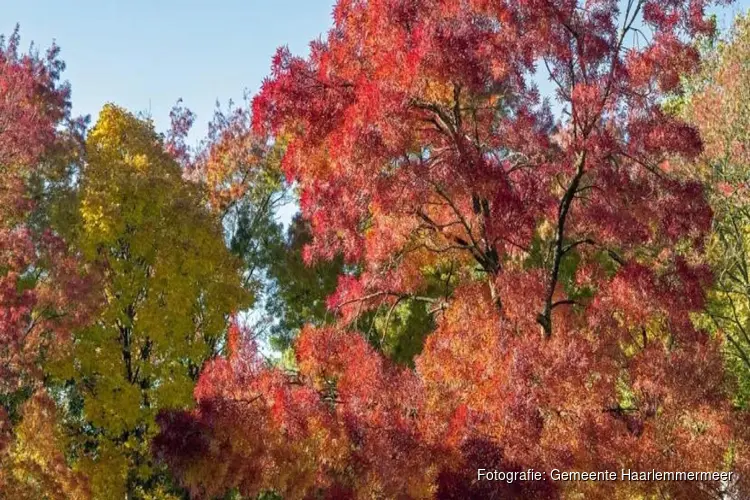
(168, 287)
(475, 279)
(561, 258)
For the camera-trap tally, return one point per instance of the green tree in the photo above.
(296, 292)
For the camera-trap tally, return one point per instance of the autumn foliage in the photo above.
(44, 291)
(714, 105)
(41, 289)
(564, 335)
(522, 281)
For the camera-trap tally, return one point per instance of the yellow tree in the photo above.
(34, 466)
(169, 287)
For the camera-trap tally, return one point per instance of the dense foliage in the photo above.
(717, 106)
(568, 250)
(44, 289)
(472, 281)
(168, 285)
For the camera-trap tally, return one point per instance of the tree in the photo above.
(715, 107)
(169, 286)
(304, 442)
(238, 171)
(296, 293)
(44, 286)
(35, 465)
(563, 333)
(716, 104)
(241, 173)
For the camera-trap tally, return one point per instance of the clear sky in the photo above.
(142, 53)
(145, 54)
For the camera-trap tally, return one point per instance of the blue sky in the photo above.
(142, 53)
(145, 54)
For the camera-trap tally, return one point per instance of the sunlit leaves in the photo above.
(42, 286)
(555, 261)
(34, 464)
(169, 285)
(717, 105)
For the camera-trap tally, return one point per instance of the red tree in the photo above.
(42, 287)
(564, 338)
(43, 291)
